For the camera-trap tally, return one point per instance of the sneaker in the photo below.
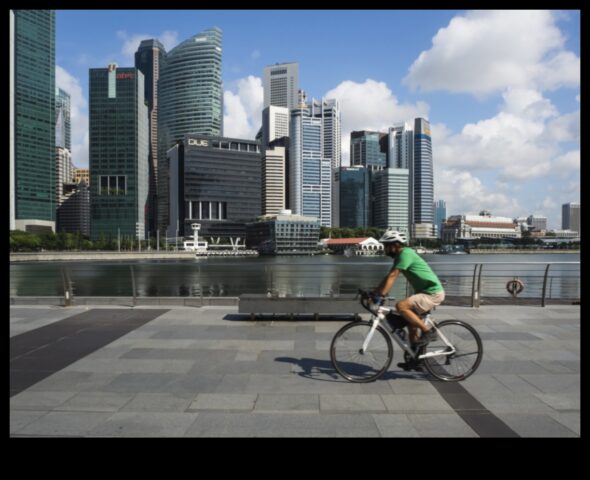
(427, 337)
(410, 366)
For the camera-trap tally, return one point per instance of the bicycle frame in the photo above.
(380, 316)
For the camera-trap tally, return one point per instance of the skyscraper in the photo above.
(391, 192)
(440, 215)
(310, 172)
(190, 100)
(275, 124)
(366, 150)
(118, 125)
(570, 216)
(422, 174)
(281, 84)
(32, 136)
(353, 192)
(148, 59)
(63, 125)
(400, 146)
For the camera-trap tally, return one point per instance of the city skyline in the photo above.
(504, 107)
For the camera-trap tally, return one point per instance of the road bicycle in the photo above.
(362, 351)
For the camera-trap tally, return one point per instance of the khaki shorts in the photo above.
(423, 302)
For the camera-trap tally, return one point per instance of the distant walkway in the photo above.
(207, 372)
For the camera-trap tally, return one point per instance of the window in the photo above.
(205, 211)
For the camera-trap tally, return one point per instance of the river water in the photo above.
(297, 275)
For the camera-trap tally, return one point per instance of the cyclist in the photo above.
(429, 291)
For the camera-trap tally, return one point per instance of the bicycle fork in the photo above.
(370, 336)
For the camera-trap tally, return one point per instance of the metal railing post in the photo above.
(133, 285)
(473, 292)
(545, 285)
(479, 286)
(67, 286)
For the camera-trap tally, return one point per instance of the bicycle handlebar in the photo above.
(366, 296)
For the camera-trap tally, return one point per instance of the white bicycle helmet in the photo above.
(391, 236)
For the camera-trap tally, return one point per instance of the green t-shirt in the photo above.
(417, 272)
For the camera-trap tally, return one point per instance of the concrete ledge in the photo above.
(128, 301)
(257, 303)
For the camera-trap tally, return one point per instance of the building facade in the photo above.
(214, 181)
(281, 84)
(82, 175)
(190, 100)
(275, 124)
(148, 59)
(64, 172)
(400, 146)
(422, 177)
(353, 190)
(73, 214)
(484, 225)
(273, 179)
(537, 222)
(366, 150)
(118, 152)
(391, 191)
(284, 234)
(32, 120)
(570, 216)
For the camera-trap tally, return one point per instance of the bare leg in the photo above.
(405, 310)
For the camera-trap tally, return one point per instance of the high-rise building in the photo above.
(281, 84)
(570, 216)
(73, 214)
(354, 196)
(366, 150)
(148, 60)
(214, 181)
(422, 182)
(190, 101)
(273, 179)
(400, 146)
(63, 124)
(81, 175)
(64, 172)
(32, 120)
(440, 215)
(328, 110)
(118, 152)
(275, 124)
(537, 222)
(310, 172)
(391, 191)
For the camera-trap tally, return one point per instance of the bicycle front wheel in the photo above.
(353, 362)
(463, 361)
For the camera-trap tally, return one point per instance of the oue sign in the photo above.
(198, 143)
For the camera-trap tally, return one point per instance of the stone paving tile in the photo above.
(560, 401)
(440, 425)
(561, 383)
(145, 424)
(39, 400)
(233, 383)
(351, 403)
(395, 425)
(283, 425)
(21, 418)
(124, 365)
(528, 425)
(288, 403)
(64, 424)
(516, 384)
(94, 402)
(157, 402)
(568, 420)
(223, 401)
(405, 403)
(62, 380)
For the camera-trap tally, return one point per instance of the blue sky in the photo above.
(500, 88)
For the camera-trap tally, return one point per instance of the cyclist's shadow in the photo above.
(324, 371)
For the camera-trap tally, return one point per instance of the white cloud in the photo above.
(465, 193)
(131, 42)
(567, 163)
(243, 110)
(370, 106)
(483, 51)
(78, 115)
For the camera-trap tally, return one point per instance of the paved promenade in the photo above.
(103, 371)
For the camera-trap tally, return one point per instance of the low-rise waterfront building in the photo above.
(354, 246)
(484, 225)
(284, 234)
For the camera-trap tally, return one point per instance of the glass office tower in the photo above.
(118, 153)
(32, 145)
(421, 174)
(354, 183)
(190, 100)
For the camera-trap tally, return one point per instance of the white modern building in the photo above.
(537, 222)
(275, 124)
(354, 246)
(64, 172)
(281, 85)
(273, 180)
(390, 190)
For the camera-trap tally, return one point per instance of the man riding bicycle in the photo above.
(428, 289)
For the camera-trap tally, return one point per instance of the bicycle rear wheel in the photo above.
(466, 358)
(349, 359)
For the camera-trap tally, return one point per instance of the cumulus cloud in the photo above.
(131, 41)
(78, 115)
(370, 106)
(243, 110)
(482, 52)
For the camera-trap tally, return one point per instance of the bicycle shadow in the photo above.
(324, 371)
